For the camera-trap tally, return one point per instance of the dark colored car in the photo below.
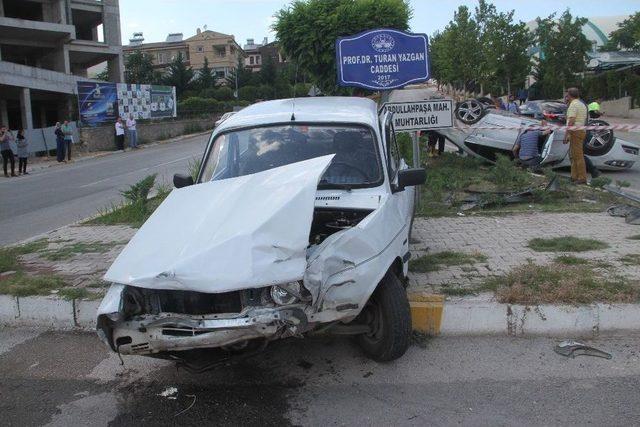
(550, 110)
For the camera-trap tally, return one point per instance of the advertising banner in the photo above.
(146, 101)
(103, 102)
(97, 103)
(382, 59)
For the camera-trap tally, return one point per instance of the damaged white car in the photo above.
(299, 221)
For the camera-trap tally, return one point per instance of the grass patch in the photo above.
(457, 291)
(9, 255)
(600, 181)
(630, 259)
(438, 260)
(636, 237)
(452, 179)
(570, 260)
(69, 251)
(22, 284)
(532, 284)
(566, 244)
(73, 293)
(136, 208)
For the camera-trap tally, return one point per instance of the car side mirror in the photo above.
(181, 180)
(410, 177)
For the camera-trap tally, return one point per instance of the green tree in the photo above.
(206, 79)
(505, 46)
(563, 49)
(307, 31)
(103, 75)
(268, 71)
(245, 76)
(179, 75)
(627, 36)
(461, 39)
(138, 69)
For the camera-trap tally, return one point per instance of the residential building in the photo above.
(46, 46)
(253, 59)
(162, 53)
(221, 51)
(272, 51)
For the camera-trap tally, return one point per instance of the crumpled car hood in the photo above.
(238, 233)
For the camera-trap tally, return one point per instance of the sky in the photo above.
(253, 18)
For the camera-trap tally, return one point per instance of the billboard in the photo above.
(103, 102)
(382, 59)
(97, 103)
(146, 101)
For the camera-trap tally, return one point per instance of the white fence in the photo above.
(43, 139)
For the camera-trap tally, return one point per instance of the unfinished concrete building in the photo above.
(46, 46)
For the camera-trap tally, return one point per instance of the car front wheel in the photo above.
(388, 314)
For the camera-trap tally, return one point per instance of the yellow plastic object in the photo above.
(426, 312)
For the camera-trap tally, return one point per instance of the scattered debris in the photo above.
(575, 348)
(631, 214)
(188, 407)
(169, 393)
(480, 199)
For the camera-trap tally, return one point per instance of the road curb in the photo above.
(482, 315)
(431, 315)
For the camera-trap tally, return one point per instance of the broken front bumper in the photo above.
(149, 334)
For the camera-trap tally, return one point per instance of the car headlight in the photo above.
(285, 294)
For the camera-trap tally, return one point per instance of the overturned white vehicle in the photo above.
(299, 221)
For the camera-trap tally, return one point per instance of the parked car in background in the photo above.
(552, 111)
(298, 221)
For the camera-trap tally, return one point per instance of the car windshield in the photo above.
(243, 152)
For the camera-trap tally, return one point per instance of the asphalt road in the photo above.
(61, 379)
(57, 196)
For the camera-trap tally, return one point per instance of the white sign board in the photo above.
(421, 115)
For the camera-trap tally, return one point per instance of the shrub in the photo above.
(139, 192)
(600, 181)
(223, 93)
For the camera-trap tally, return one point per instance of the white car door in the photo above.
(554, 151)
(405, 199)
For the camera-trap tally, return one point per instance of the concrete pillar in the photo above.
(1, 7)
(4, 114)
(25, 108)
(43, 116)
(116, 69)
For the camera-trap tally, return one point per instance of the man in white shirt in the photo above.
(133, 134)
(119, 134)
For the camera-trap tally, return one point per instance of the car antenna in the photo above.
(295, 82)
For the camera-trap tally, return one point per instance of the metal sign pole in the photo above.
(416, 163)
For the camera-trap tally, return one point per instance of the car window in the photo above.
(393, 153)
(243, 152)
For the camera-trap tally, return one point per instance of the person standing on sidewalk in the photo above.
(6, 151)
(119, 134)
(68, 138)
(576, 116)
(59, 143)
(133, 133)
(23, 152)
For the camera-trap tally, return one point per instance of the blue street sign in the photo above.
(382, 59)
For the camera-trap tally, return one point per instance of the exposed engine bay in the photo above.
(327, 221)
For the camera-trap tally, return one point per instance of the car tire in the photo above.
(469, 111)
(390, 316)
(598, 143)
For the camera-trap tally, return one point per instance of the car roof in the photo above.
(330, 109)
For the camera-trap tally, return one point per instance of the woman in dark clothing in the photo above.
(23, 152)
(6, 151)
(59, 143)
